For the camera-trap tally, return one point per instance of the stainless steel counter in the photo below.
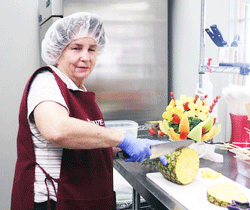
(135, 174)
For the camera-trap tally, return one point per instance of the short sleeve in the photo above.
(44, 88)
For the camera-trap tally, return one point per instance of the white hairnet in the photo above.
(65, 30)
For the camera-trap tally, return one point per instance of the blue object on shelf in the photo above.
(236, 40)
(244, 67)
(216, 36)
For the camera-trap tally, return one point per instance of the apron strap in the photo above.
(50, 179)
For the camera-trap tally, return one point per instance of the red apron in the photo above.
(86, 178)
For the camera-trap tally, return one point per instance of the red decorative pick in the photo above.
(214, 103)
(196, 98)
(209, 64)
(172, 95)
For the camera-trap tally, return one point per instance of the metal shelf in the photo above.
(217, 69)
(220, 69)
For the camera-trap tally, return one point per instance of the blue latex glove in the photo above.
(163, 160)
(137, 149)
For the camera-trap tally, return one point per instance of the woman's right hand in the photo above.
(137, 149)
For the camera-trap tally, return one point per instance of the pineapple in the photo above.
(223, 194)
(183, 165)
(210, 174)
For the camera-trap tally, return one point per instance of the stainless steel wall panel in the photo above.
(130, 78)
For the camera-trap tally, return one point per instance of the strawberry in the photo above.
(172, 95)
(183, 135)
(186, 108)
(203, 131)
(176, 119)
(160, 133)
(196, 98)
(152, 131)
(157, 125)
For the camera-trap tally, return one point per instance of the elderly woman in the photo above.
(64, 150)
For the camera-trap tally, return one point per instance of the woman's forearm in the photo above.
(80, 134)
(56, 126)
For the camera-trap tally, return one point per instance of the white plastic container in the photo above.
(128, 126)
(243, 167)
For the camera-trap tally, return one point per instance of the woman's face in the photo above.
(78, 59)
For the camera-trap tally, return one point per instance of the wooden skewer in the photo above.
(240, 143)
(244, 152)
(233, 146)
(248, 132)
(247, 129)
(242, 158)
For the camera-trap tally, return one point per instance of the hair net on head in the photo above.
(67, 29)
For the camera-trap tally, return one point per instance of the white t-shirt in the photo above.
(44, 88)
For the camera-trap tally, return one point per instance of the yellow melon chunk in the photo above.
(209, 134)
(163, 125)
(217, 130)
(205, 102)
(184, 124)
(208, 123)
(172, 103)
(174, 136)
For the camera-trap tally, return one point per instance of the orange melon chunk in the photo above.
(174, 136)
(184, 124)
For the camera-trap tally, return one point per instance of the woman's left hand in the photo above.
(163, 160)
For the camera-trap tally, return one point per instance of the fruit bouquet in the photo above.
(189, 118)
